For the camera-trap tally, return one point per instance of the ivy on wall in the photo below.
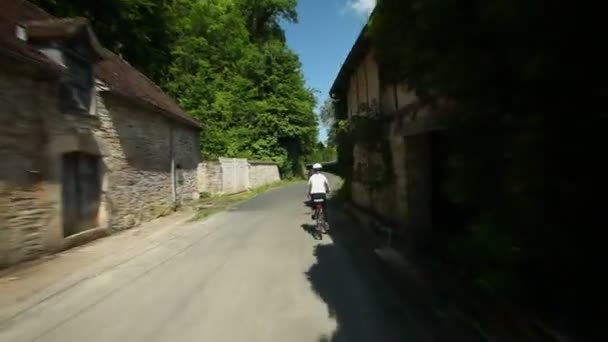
(368, 132)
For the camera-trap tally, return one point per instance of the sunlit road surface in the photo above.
(250, 274)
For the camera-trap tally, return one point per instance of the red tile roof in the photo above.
(21, 50)
(10, 11)
(116, 73)
(125, 80)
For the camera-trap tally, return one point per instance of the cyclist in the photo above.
(318, 188)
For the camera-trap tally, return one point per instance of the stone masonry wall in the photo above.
(263, 173)
(25, 209)
(137, 153)
(186, 146)
(134, 146)
(233, 175)
(405, 201)
(378, 198)
(209, 174)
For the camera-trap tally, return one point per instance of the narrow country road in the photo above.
(250, 274)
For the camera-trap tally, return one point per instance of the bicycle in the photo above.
(321, 226)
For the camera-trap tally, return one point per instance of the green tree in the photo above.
(327, 113)
(322, 154)
(262, 17)
(244, 85)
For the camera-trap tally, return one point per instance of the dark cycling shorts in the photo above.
(317, 196)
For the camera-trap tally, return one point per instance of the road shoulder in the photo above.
(28, 284)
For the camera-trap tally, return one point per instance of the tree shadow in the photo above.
(348, 301)
(346, 284)
(367, 301)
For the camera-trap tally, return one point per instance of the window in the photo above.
(78, 88)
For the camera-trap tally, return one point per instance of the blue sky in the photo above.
(323, 36)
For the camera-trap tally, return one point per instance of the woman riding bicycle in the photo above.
(318, 188)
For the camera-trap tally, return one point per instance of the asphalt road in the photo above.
(253, 273)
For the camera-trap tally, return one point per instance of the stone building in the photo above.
(396, 177)
(88, 145)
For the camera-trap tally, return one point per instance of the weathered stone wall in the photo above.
(234, 175)
(225, 176)
(373, 188)
(263, 173)
(186, 149)
(137, 146)
(209, 177)
(25, 207)
(403, 199)
(133, 144)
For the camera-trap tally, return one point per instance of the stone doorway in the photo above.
(81, 192)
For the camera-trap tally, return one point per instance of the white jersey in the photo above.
(317, 184)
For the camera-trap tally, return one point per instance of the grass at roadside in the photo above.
(216, 203)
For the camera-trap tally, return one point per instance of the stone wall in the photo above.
(404, 198)
(25, 206)
(209, 174)
(373, 188)
(134, 146)
(137, 149)
(234, 175)
(262, 173)
(186, 147)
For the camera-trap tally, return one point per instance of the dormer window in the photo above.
(71, 43)
(79, 85)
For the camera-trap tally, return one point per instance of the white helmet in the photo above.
(317, 166)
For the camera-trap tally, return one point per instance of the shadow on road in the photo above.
(346, 284)
(367, 302)
(312, 230)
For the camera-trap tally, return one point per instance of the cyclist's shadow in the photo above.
(312, 230)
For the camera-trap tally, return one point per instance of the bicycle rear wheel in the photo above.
(320, 221)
